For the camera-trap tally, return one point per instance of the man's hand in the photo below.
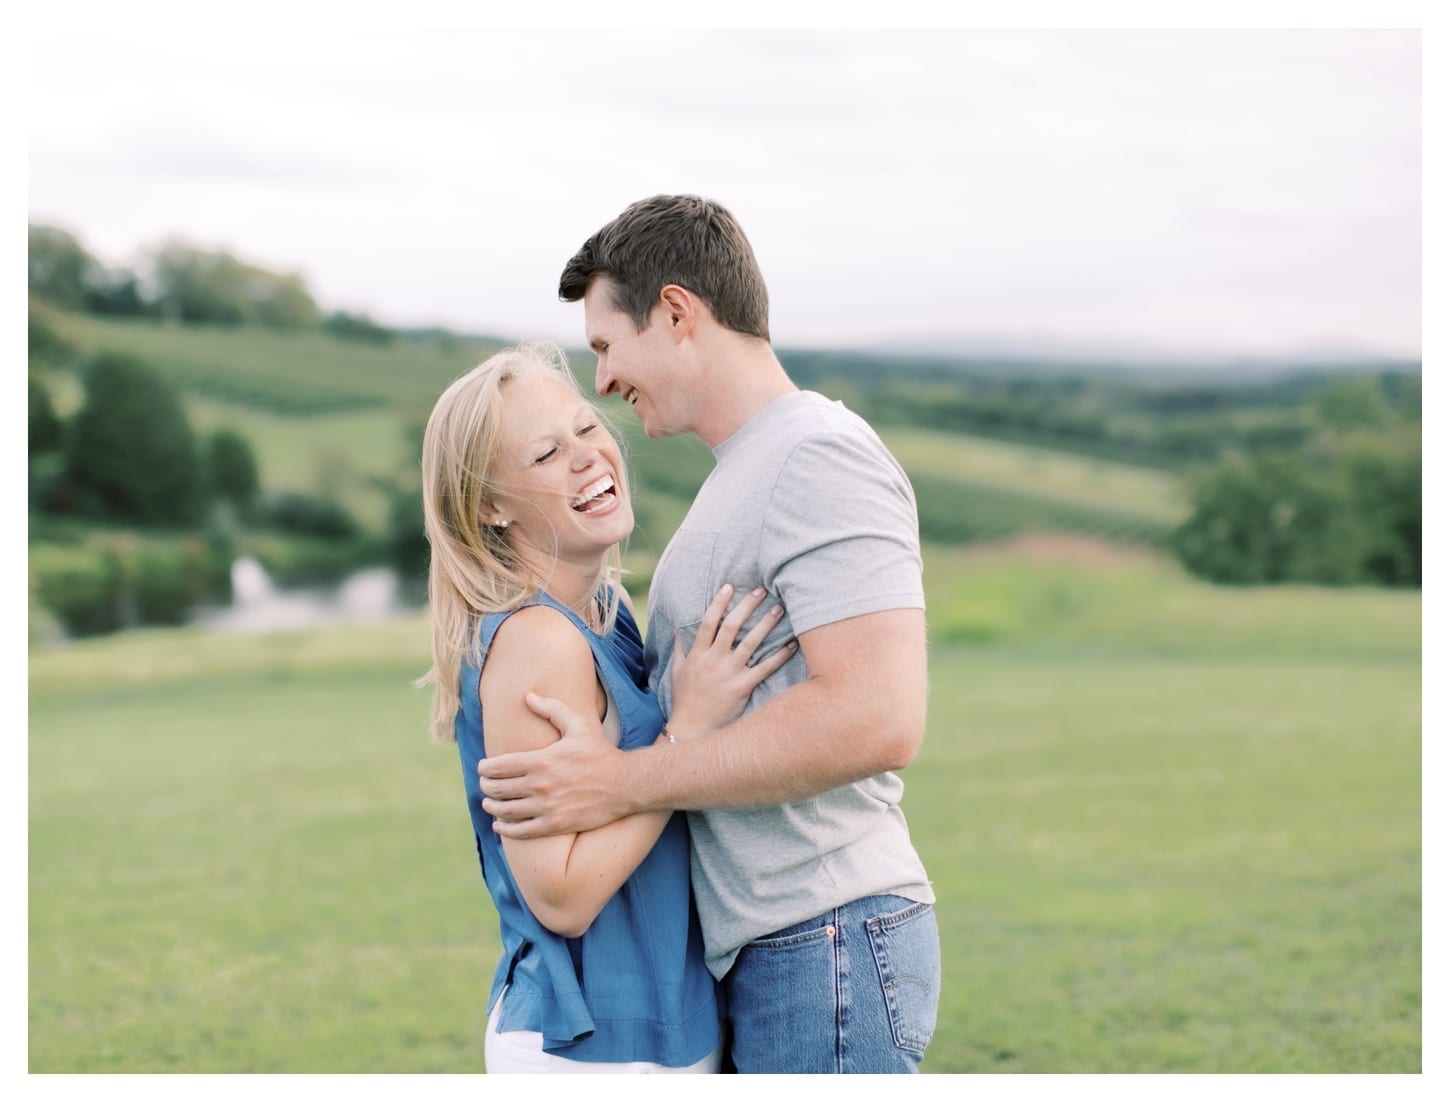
(574, 785)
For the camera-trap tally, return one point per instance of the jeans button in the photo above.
(830, 931)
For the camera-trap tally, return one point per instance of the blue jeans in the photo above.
(852, 990)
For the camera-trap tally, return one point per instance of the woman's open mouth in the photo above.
(599, 494)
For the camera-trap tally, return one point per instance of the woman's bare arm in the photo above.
(565, 879)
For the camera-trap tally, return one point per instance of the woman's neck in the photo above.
(572, 584)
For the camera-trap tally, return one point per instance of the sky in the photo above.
(1251, 192)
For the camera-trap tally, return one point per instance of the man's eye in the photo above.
(547, 455)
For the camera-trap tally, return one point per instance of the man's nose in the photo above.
(604, 382)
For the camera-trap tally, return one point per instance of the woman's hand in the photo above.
(711, 684)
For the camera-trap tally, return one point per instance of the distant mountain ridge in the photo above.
(1040, 354)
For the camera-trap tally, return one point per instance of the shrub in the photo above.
(407, 541)
(130, 451)
(44, 342)
(83, 587)
(168, 581)
(232, 469)
(45, 425)
(303, 560)
(117, 580)
(357, 327)
(1346, 511)
(305, 514)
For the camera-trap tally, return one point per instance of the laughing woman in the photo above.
(525, 502)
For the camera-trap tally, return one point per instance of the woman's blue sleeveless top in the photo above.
(634, 986)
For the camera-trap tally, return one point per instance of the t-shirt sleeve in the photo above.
(839, 535)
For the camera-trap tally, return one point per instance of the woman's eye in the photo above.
(547, 455)
(587, 428)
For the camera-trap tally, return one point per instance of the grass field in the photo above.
(1038, 472)
(304, 372)
(1171, 828)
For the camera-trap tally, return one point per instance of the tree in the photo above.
(1384, 475)
(356, 327)
(60, 269)
(311, 515)
(1343, 510)
(45, 425)
(47, 434)
(195, 284)
(115, 291)
(281, 301)
(43, 339)
(1270, 518)
(131, 454)
(1353, 402)
(232, 469)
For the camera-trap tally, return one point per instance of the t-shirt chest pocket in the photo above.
(685, 580)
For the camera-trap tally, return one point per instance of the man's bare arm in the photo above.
(863, 711)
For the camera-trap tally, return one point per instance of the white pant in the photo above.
(522, 1050)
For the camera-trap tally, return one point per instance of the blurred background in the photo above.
(1138, 311)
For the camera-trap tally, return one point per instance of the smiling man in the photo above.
(816, 910)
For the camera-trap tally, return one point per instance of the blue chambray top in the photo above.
(634, 986)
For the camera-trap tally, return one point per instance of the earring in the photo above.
(502, 525)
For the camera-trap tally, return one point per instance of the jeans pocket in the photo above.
(794, 937)
(908, 962)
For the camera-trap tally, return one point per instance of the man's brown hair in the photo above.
(681, 239)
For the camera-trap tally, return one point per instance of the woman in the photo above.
(525, 502)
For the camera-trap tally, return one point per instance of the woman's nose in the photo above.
(583, 455)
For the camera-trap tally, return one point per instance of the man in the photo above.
(815, 907)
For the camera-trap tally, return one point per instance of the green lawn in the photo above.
(305, 372)
(1171, 828)
(1041, 473)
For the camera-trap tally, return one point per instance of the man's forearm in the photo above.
(808, 740)
(862, 712)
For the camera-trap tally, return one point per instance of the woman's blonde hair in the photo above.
(472, 568)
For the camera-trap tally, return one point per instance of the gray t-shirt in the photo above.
(806, 501)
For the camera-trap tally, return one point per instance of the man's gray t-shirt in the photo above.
(806, 501)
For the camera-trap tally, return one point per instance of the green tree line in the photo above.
(1343, 508)
(1296, 477)
(1166, 419)
(181, 281)
(1303, 476)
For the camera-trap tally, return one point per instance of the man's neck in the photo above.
(744, 378)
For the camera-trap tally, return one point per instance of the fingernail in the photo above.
(757, 592)
(776, 610)
(727, 588)
(792, 645)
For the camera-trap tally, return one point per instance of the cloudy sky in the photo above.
(1200, 191)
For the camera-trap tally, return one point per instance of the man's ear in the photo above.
(682, 309)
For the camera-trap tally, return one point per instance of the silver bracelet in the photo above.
(665, 730)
